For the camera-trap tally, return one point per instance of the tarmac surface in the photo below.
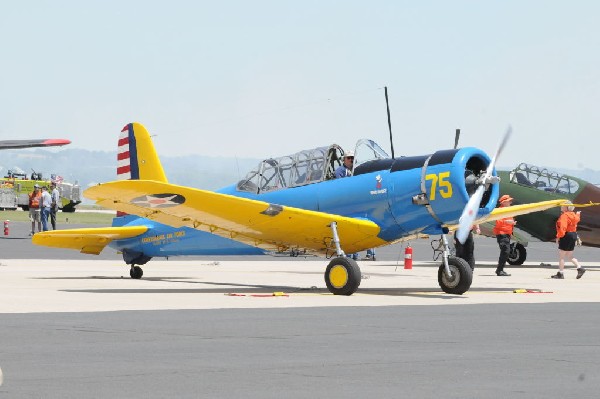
(74, 325)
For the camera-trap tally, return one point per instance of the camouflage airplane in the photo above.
(527, 183)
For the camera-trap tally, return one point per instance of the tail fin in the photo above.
(136, 156)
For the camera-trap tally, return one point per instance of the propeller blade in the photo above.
(503, 142)
(469, 214)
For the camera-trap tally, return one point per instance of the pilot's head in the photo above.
(349, 159)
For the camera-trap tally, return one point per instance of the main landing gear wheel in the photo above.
(342, 276)
(518, 254)
(460, 280)
(136, 272)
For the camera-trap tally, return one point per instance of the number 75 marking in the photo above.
(440, 183)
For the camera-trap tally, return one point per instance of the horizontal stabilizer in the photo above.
(86, 240)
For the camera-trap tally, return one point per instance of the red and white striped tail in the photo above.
(123, 157)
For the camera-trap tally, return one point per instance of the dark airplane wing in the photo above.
(10, 144)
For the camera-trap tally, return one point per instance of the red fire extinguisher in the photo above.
(6, 227)
(408, 257)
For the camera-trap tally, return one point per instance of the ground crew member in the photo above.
(503, 231)
(566, 236)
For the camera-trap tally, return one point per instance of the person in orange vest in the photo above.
(503, 231)
(566, 236)
(35, 198)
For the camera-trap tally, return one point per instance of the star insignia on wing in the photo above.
(159, 200)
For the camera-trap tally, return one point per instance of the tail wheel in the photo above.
(136, 272)
(342, 276)
(518, 254)
(461, 276)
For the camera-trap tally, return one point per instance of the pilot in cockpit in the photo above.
(345, 170)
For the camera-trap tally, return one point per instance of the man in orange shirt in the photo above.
(503, 231)
(566, 236)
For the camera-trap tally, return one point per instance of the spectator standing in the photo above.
(55, 195)
(35, 198)
(45, 205)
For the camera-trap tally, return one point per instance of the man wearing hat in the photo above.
(345, 170)
(35, 198)
(503, 230)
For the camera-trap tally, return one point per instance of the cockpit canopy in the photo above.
(543, 179)
(305, 167)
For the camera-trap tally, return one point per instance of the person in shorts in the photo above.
(566, 237)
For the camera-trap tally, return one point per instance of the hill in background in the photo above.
(92, 167)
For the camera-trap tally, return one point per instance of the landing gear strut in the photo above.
(342, 275)
(132, 258)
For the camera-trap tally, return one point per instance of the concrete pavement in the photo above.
(100, 285)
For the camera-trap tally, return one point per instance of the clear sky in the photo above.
(267, 78)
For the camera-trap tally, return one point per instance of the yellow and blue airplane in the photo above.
(294, 203)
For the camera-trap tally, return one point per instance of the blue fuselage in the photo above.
(404, 196)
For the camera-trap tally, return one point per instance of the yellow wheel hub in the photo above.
(338, 276)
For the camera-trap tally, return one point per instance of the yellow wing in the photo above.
(515, 210)
(257, 223)
(87, 241)
(523, 209)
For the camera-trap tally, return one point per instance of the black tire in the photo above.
(69, 208)
(25, 207)
(518, 254)
(461, 279)
(136, 272)
(342, 276)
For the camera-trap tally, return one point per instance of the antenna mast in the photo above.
(387, 104)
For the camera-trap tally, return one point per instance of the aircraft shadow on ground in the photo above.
(249, 289)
